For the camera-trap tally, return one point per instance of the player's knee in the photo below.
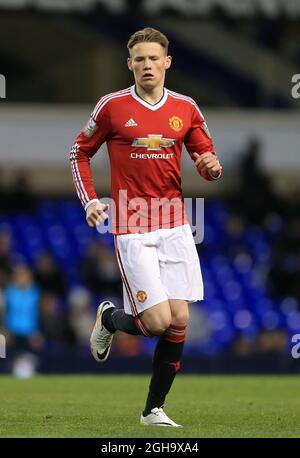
(181, 318)
(157, 319)
(159, 325)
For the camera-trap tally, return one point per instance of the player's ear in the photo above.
(168, 62)
(129, 63)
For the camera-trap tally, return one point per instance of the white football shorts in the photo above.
(157, 266)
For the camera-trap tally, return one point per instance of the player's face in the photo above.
(149, 63)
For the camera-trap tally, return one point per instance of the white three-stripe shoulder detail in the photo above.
(105, 99)
(185, 98)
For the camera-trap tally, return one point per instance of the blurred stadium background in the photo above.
(237, 60)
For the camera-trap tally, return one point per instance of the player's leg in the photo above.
(143, 292)
(167, 356)
(152, 322)
(180, 274)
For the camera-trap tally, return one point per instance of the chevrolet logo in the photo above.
(154, 142)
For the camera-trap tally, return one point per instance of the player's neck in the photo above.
(152, 96)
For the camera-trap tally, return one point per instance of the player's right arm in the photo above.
(96, 131)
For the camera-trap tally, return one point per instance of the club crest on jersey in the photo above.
(141, 296)
(154, 142)
(90, 128)
(176, 123)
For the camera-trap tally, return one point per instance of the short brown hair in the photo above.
(150, 35)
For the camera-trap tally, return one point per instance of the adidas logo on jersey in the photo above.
(130, 123)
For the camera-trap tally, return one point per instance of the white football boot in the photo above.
(101, 338)
(157, 417)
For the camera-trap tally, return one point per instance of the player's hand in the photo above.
(208, 162)
(95, 213)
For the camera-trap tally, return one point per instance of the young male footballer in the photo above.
(145, 127)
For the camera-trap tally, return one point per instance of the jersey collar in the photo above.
(146, 104)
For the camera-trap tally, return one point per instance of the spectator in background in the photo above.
(20, 196)
(48, 276)
(81, 314)
(3, 196)
(251, 168)
(5, 267)
(55, 323)
(273, 341)
(5, 256)
(256, 196)
(100, 271)
(292, 205)
(22, 314)
(127, 345)
(283, 277)
(284, 273)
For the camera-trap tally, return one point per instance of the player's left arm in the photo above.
(208, 165)
(200, 147)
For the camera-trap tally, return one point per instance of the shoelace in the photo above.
(104, 336)
(103, 339)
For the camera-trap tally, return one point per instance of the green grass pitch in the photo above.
(109, 406)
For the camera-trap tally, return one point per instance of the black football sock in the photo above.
(117, 319)
(166, 363)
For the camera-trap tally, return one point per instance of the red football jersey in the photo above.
(144, 144)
